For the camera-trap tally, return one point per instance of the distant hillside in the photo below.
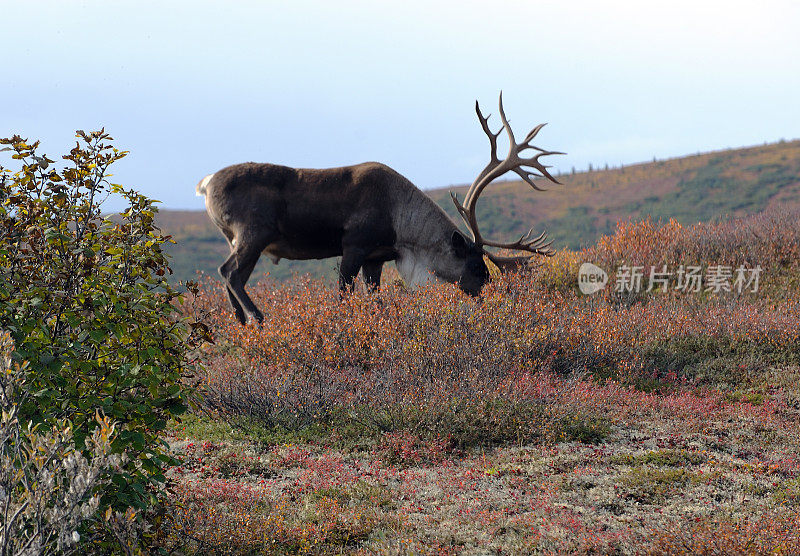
(690, 189)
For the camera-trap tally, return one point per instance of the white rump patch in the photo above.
(201, 187)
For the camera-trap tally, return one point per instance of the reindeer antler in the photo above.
(527, 168)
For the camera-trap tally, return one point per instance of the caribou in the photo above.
(368, 214)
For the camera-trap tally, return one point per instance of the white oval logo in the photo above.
(591, 278)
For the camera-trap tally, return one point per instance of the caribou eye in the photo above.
(459, 244)
(473, 266)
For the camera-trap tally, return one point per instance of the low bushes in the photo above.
(436, 362)
(397, 388)
(47, 485)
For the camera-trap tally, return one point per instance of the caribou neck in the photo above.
(423, 230)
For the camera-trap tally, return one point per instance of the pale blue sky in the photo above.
(190, 87)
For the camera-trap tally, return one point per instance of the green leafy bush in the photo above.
(46, 483)
(86, 301)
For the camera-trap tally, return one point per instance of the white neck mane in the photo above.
(423, 232)
(415, 268)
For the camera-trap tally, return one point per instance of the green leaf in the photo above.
(97, 335)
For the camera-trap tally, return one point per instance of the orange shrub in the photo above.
(769, 239)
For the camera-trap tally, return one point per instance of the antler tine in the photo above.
(512, 263)
(527, 177)
(467, 210)
(513, 148)
(492, 136)
(531, 134)
(494, 161)
(524, 243)
(538, 246)
(461, 210)
(533, 162)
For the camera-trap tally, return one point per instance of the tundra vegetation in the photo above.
(539, 420)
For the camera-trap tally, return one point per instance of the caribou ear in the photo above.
(460, 245)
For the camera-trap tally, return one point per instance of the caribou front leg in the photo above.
(352, 260)
(372, 274)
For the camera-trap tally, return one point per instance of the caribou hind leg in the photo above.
(237, 307)
(236, 270)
